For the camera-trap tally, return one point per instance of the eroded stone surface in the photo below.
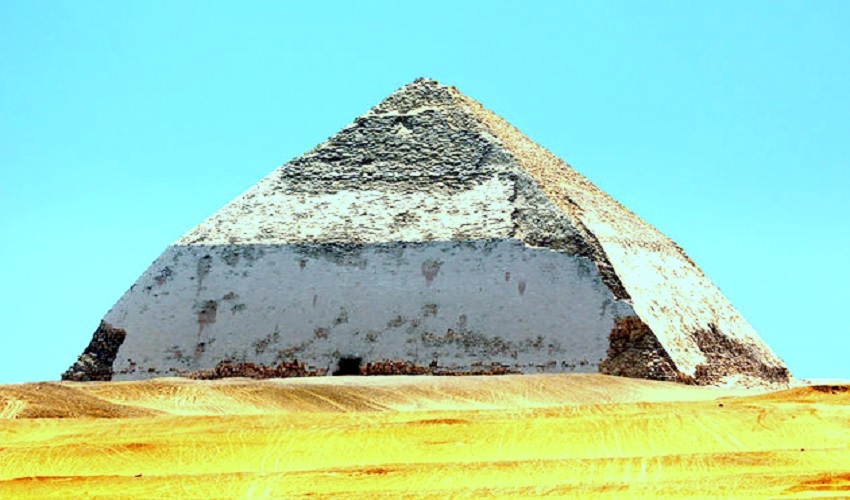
(634, 351)
(723, 351)
(95, 363)
(447, 303)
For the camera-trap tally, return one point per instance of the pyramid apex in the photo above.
(421, 93)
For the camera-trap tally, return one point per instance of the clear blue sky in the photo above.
(123, 124)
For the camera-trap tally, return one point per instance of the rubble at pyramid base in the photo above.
(297, 369)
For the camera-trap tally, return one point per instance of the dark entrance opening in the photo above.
(348, 366)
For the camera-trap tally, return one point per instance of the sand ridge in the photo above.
(240, 396)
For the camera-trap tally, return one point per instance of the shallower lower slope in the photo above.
(562, 435)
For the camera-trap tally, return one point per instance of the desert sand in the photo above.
(421, 437)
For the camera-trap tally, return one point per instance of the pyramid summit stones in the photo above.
(428, 236)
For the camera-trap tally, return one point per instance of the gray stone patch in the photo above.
(204, 267)
(430, 270)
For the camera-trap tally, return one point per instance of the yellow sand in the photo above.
(391, 437)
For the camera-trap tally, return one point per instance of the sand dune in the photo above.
(55, 400)
(177, 396)
(385, 437)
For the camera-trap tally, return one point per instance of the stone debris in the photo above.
(400, 367)
(482, 370)
(295, 368)
(227, 369)
(396, 367)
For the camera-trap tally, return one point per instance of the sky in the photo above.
(123, 124)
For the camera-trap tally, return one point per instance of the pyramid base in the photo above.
(634, 351)
(95, 363)
(729, 359)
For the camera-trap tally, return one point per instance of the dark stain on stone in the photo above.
(175, 352)
(342, 318)
(164, 275)
(341, 254)
(262, 344)
(396, 322)
(204, 268)
(206, 312)
(430, 310)
(521, 287)
(232, 253)
(430, 269)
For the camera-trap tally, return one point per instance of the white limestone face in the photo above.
(266, 215)
(450, 303)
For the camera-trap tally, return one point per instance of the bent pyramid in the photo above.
(428, 236)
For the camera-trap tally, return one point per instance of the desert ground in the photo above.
(421, 437)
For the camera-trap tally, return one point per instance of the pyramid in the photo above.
(428, 236)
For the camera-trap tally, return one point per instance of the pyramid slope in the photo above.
(430, 175)
(689, 315)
